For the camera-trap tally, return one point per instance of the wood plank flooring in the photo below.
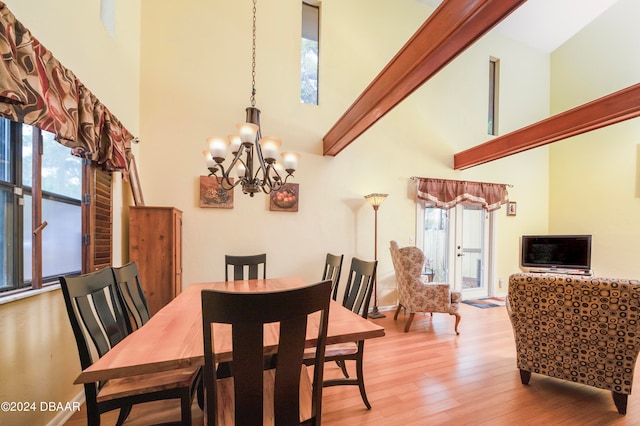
(431, 376)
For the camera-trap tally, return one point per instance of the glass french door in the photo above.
(456, 244)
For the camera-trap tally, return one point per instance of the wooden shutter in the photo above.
(97, 216)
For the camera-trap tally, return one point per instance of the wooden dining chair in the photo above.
(357, 296)
(132, 294)
(93, 305)
(332, 269)
(285, 394)
(252, 263)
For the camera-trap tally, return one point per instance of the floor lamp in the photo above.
(375, 200)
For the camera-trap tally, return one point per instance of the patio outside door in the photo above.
(470, 248)
(456, 245)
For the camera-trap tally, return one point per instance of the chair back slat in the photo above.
(247, 313)
(332, 270)
(252, 264)
(290, 352)
(357, 294)
(93, 305)
(133, 298)
(92, 325)
(248, 388)
(111, 322)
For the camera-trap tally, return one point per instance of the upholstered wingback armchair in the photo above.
(582, 329)
(414, 293)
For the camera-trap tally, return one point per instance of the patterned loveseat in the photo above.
(416, 295)
(577, 328)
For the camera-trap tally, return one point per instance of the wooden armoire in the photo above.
(155, 244)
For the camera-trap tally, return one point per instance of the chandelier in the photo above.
(266, 174)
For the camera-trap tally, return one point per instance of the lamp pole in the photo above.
(375, 200)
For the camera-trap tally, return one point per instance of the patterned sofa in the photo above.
(416, 295)
(577, 328)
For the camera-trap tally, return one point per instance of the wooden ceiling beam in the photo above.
(449, 30)
(610, 109)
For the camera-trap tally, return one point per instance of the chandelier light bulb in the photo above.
(208, 158)
(247, 132)
(234, 143)
(290, 161)
(270, 146)
(218, 148)
(241, 170)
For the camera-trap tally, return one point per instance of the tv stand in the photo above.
(563, 271)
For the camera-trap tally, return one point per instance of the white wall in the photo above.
(595, 175)
(196, 83)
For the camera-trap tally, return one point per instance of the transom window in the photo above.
(309, 54)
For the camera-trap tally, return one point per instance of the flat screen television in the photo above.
(556, 252)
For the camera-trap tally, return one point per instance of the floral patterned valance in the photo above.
(445, 194)
(36, 89)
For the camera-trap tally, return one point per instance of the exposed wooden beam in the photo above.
(610, 109)
(449, 30)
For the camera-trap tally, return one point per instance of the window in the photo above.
(38, 178)
(309, 54)
(108, 16)
(494, 79)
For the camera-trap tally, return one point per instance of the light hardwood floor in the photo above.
(431, 376)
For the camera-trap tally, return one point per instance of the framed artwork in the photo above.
(285, 199)
(511, 208)
(213, 195)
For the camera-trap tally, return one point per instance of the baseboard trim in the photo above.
(63, 416)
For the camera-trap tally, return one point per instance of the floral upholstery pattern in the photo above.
(414, 293)
(577, 328)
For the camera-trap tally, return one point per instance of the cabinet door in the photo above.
(155, 245)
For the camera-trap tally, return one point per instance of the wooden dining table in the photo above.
(172, 338)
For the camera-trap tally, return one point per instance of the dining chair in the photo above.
(238, 264)
(284, 394)
(332, 270)
(94, 306)
(132, 294)
(357, 296)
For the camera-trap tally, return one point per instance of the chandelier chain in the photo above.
(253, 58)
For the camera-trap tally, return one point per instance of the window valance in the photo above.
(445, 194)
(36, 89)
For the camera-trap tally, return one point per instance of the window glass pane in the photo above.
(436, 244)
(6, 240)
(5, 151)
(27, 154)
(27, 241)
(61, 239)
(61, 171)
(309, 54)
(494, 75)
(108, 16)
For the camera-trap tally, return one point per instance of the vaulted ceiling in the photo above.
(449, 30)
